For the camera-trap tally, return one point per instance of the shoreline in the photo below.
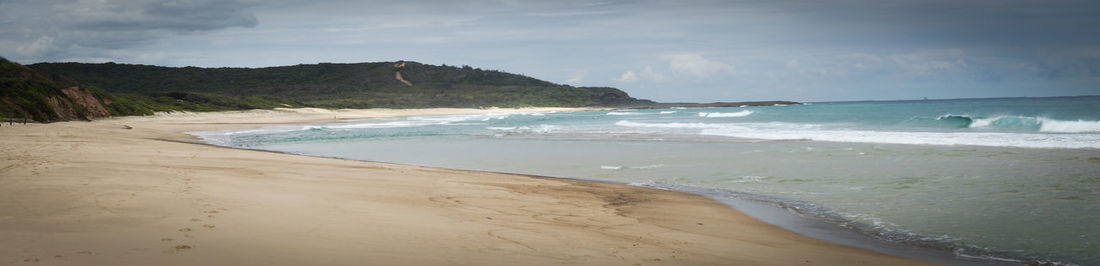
(771, 212)
(96, 193)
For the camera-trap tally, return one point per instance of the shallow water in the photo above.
(1004, 178)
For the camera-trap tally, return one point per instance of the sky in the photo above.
(669, 51)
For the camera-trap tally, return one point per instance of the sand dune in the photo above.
(96, 193)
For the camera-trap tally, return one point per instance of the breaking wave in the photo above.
(795, 131)
(1020, 123)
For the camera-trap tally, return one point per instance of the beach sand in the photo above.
(96, 193)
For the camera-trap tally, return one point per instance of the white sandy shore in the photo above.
(94, 193)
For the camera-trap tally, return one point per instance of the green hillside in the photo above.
(28, 94)
(360, 85)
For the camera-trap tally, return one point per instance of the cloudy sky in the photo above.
(698, 51)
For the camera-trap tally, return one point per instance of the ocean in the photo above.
(1001, 180)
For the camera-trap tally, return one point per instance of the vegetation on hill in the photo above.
(51, 91)
(28, 94)
(361, 85)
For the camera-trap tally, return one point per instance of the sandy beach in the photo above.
(97, 193)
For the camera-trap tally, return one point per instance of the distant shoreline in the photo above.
(960, 99)
(714, 104)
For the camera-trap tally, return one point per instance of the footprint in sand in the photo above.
(166, 239)
(182, 247)
(185, 229)
(30, 260)
(196, 220)
(210, 226)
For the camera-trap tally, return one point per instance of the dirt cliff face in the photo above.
(62, 107)
(80, 96)
(76, 103)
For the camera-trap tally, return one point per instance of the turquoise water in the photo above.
(1015, 179)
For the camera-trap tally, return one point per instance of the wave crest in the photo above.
(956, 121)
(734, 114)
(1020, 123)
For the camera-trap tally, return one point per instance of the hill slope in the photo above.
(401, 84)
(28, 94)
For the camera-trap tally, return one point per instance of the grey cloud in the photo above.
(57, 30)
(1067, 63)
(180, 15)
(944, 22)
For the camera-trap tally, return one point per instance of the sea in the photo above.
(984, 181)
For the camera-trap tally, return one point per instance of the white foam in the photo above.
(624, 113)
(977, 123)
(1044, 124)
(420, 121)
(791, 131)
(540, 129)
(391, 124)
(1018, 121)
(416, 121)
(667, 112)
(737, 126)
(749, 179)
(648, 166)
(460, 118)
(610, 167)
(734, 114)
(1079, 126)
(625, 123)
(1023, 140)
